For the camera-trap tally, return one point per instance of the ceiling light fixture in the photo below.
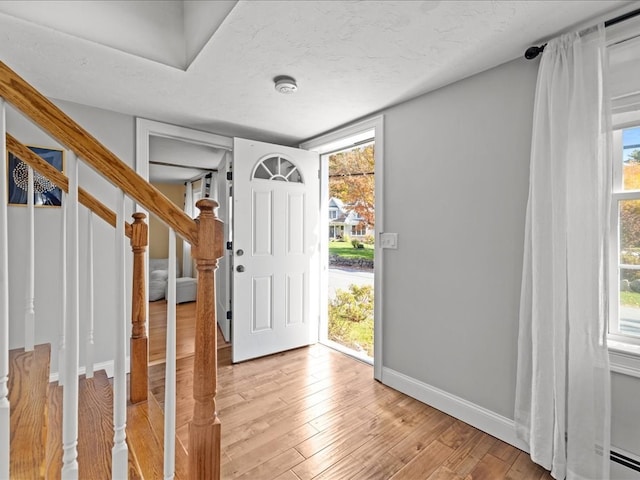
(285, 85)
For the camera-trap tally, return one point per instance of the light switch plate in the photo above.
(389, 240)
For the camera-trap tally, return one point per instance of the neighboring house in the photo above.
(345, 221)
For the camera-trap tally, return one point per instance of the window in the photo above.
(279, 169)
(333, 214)
(624, 321)
(358, 230)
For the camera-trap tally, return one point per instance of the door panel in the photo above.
(276, 215)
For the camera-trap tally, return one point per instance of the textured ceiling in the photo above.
(350, 58)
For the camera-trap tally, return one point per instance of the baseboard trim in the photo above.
(475, 415)
(107, 366)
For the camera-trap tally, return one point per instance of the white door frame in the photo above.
(145, 129)
(336, 140)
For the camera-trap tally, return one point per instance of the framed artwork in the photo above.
(45, 192)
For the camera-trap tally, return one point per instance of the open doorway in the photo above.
(350, 182)
(185, 165)
(351, 222)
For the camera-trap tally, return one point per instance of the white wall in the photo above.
(456, 188)
(116, 132)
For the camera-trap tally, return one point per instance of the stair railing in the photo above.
(204, 234)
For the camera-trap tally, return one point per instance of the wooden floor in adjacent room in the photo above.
(316, 413)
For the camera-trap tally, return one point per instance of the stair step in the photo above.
(28, 389)
(145, 433)
(54, 433)
(95, 429)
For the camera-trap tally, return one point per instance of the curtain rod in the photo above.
(533, 52)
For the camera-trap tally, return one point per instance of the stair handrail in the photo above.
(60, 126)
(61, 181)
(205, 234)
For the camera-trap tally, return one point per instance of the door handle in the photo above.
(240, 268)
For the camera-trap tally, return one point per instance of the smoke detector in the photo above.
(285, 85)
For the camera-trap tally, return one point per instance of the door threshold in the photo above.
(362, 357)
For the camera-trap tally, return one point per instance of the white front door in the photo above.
(275, 248)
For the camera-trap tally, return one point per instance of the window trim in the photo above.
(624, 350)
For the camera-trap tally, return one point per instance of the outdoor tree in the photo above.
(351, 180)
(630, 218)
(635, 156)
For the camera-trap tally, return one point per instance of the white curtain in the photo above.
(186, 246)
(563, 393)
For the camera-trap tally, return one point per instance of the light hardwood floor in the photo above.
(316, 413)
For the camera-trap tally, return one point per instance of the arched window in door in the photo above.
(277, 168)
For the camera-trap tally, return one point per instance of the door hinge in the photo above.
(229, 245)
(229, 175)
(229, 315)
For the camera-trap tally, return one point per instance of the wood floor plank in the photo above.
(425, 463)
(145, 436)
(443, 473)
(490, 468)
(315, 402)
(467, 456)
(257, 455)
(185, 330)
(524, 469)
(457, 434)
(505, 452)
(288, 475)
(343, 469)
(343, 442)
(382, 443)
(28, 385)
(413, 444)
(54, 433)
(273, 467)
(95, 426)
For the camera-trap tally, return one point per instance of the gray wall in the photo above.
(456, 187)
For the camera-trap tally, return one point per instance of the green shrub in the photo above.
(356, 243)
(351, 318)
(369, 240)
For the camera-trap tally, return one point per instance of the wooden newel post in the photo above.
(139, 352)
(204, 430)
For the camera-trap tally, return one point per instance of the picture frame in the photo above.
(46, 193)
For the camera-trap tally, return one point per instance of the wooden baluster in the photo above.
(138, 379)
(4, 303)
(204, 431)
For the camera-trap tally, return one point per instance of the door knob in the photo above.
(240, 268)
(240, 252)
